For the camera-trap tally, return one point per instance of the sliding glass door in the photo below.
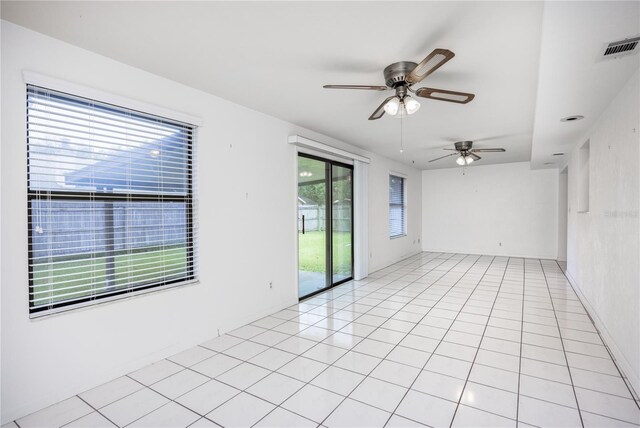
(341, 223)
(312, 225)
(325, 224)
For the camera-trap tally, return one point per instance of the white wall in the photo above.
(383, 250)
(603, 254)
(50, 359)
(563, 181)
(505, 209)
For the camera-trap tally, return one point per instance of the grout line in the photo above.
(631, 390)
(524, 284)
(448, 329)
(481, 339)
(575, 395)
(328, 365)
(168, 398)
(407, 284)
(375, 329)
(376, 290)
(96, 410)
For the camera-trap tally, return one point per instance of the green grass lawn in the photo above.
(74, 278)
(67, 278)
(312, 252)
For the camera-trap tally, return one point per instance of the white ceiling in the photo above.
(274, 57)
(574, 79)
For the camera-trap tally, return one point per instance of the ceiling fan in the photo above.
(401, 76)
(466, 154)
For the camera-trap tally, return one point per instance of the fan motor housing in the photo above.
(463, 145)
(396, 73)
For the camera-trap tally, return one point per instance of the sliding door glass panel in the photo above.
(312, 225)
(341, 221)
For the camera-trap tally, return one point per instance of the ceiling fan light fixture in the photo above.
(468, 159)
(402, 112)
(393, 106)
(461, 160)
(411, 104)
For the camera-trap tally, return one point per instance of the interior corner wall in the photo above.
(504, 209)
(245, 166)
(563, 180)
(603, 245)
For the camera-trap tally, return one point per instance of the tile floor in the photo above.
(435, 340)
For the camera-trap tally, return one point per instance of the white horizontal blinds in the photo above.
(110, 200)
(397, 209)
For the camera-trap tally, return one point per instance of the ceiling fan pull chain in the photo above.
(401, 142)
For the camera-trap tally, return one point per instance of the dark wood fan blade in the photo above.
(444, 95)
(474, 156)
(379, 112)
(364, 87)
(431, 63)
(488, 150)
(442, 157)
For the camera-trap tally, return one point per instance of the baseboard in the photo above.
(387, 264)
(623, 364)
(48, 398)
(496, 254)
(69, 390)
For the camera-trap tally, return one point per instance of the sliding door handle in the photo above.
(303, 224)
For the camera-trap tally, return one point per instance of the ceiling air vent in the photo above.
(621, 47)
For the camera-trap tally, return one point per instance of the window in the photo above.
(397, 207)
(109, 201)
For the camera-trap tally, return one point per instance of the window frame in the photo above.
(403, 205)
(59, 195)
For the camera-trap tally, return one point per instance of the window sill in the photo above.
(85, 305)
(398, 236)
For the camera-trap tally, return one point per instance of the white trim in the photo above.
(53, 83)
(618, 357)
(110, 299)
(360, 220)
(299, 140)
(398, 174)
(294, 211)
(404, 235)
(493, 254)
(324, 155)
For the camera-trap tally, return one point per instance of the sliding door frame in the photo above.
(329, 163)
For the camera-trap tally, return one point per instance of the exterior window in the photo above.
(110, 201)
(397, 206)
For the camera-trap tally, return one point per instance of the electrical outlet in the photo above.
(500, 244)
(270, 284)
